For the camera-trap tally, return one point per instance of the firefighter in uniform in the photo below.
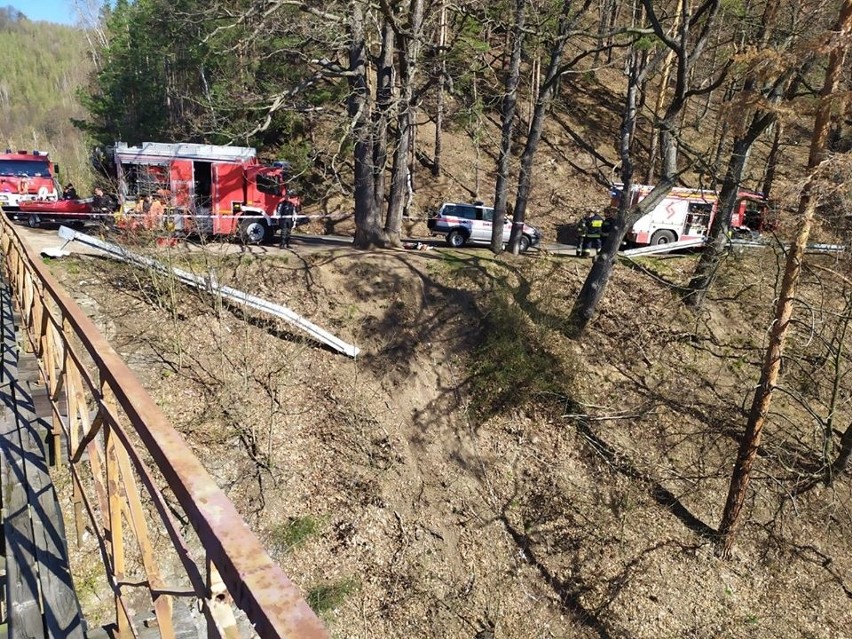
(606, 227)
(581, 236)
(286, 222)
(593, 228)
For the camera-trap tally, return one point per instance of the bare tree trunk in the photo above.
(615, 9)
(409, 53)
(549, 84)
(535, 86)
(598, 278)
(384, 101)
(686, 57)
(367, 225)
(784, 307)
(507, 117)
(665, 76)
(762, 119)
(772, 159)
(768, 377)
(714, 251)
(439, 106)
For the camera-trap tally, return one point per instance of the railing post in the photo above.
(219, 604)
(115, 532)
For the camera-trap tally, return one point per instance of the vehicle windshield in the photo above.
(25, 168)
(271, 183)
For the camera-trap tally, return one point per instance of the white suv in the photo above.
(463, 223)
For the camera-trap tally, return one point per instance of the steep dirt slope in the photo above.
(477, 474)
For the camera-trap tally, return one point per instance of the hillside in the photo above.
(44, 66)
(475, 471)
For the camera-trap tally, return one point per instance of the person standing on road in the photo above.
(69, 192)
(156, 211)
(102, 203)
(286, 222)
(581, 236)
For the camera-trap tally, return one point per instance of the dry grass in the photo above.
(581, 504)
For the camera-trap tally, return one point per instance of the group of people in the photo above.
(592, 232)
(150, 211)
(101, 202)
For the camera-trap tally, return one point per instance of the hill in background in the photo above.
(44, 66)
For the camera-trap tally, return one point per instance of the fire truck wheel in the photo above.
(254, 231)
(456, 239)
(663, 237)
(33, 221)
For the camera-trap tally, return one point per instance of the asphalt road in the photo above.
(47, 238)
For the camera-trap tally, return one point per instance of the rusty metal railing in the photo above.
(124, 456)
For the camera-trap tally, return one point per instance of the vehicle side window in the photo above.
(462, 211)
(485, 214)
(268, 184)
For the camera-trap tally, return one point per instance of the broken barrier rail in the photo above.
(124, 457)
(210, 285)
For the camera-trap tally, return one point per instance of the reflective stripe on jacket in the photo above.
(594, 224)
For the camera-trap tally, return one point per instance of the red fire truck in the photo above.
(686, 214)
(210, 189)
(26, 176)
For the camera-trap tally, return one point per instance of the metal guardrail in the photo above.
(656, 249)
(110, 429)
(210, 285)
(660, 249)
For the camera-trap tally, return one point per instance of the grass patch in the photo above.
(511, 364)
(293, 532)
(326, 597)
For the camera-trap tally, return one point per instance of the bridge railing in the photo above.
(124, 459)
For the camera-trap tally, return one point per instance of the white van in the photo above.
(471, 223)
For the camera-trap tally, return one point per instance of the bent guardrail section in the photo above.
(123, 456)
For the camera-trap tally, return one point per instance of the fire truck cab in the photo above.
(686, 214)
(26, 176)
(209, 189)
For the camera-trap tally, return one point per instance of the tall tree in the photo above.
(784, 306)
(384, 105)
(665, 78)
(711, 257)
(368, 232)
(442, 79)
(507, 121)
(555, 69)
(596, 281)
(409, 38)
(766, 83)
(688, 44)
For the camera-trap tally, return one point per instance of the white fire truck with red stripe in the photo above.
(26, 176)
(686, 214)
